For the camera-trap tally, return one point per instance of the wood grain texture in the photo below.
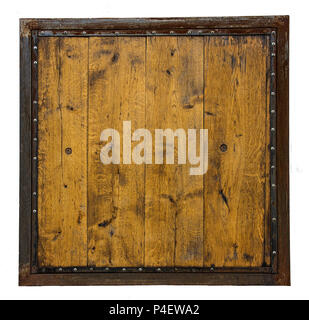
(235, 185)
(174, 199)
(115, 192)
(62, 178)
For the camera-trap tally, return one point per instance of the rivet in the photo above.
(106, 269)
(140, 269)
(273, 129)
(65, 32)
(84, 32)
(35, 102)
(124, 269)
(189, 32)
(273, 43)
(273, 74)
(153, 32)
(75, 269)
(35, 120)
(91, 269)
(60, 269)
(35, 139)
(117, 33)
(172, 32)
(35, 48)
(42, 32)
(223, 147)
(274, 219)
(34, 193)
(68, 151)
(273, 167)
(200, 31)
(273, 54)
(212, 31)
(273, 185)
(274, 253)
(273, 32)
(34, 211)
(34, 158)
(35, 62)
(273, 111)
(273, 93)
(212, 269)
(272, 148)
(158, 269)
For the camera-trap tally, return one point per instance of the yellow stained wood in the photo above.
(158, 215)
(174, 199)
(236, 116)
(115, 192)
(62, 160)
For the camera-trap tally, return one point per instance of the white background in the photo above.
(12, 10)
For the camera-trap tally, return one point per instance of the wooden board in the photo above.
(144, 211)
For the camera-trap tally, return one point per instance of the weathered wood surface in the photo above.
(115, 192)
(236, 117)
(153, 215)
(62, 157)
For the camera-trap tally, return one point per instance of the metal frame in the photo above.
(277, 28)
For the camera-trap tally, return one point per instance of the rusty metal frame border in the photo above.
(31, 29)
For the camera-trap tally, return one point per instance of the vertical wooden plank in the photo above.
(116, 191)
(235, 104)
(174, 199)
(62, 160)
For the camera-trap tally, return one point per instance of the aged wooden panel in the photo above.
(174, 199)
(236, 114)
(62, 160)
(116, 191)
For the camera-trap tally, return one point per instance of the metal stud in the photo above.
(212, 269)
(35, 62)
(273, 111)
(274, 253)
(274, 219)
(84, 32)
(200, 31)
(272, 148)
(91, 269)
(60, 269)
(34, 158)
(189, 32)
(273, 43)
(273, 185)
(140, 269)
(35, 139)
(35, 120)
(75, 269)
(273, 54)
(172, 32)
(153, 32)
(116, 33)
(273, 93)
(124, 269)
(273, 74)
(273, 129)
(65, 32)
(158, 269)
(273, 32)
(34, 211)
(273, 167)
(35, 102)
(34, 194)
(35, 48)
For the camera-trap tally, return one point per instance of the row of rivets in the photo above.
(273, 146)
